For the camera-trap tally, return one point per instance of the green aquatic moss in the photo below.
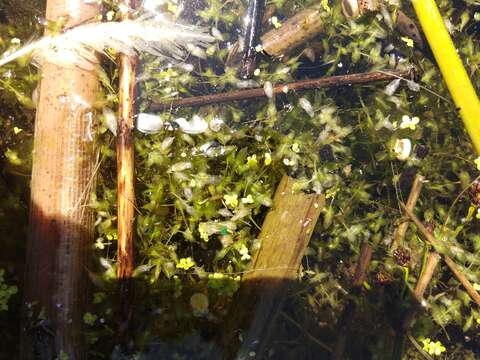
(201, 199)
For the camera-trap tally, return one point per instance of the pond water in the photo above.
(344, 98)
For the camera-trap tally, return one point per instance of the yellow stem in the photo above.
(451, 67)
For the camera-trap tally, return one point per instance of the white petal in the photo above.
(148, 123)
(307, 106)
(268, 88)
(195, 126)
(403, 147)
(110, 120)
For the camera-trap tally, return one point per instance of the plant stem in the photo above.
(254, 17)
(411, 202)
(320, 83)
(125, 181)
(474, 295)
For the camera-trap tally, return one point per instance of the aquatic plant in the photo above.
(202, 197)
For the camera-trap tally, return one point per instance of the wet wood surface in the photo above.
(61, 223)
(285, 234)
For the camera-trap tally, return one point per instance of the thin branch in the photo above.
(306, 333)
(311, 84)
(474, 295)
(426, 275)
(411, 202)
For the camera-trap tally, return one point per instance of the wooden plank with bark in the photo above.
(61, 223)
(285, 234)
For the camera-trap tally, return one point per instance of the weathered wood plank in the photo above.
(61, 224)
(285, 234)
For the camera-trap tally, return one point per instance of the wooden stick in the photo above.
(361, 269)
(311, 84)
(474, 295)
(294, 32)
(411, 202)
(125, 179)
(348, 314)
(426, 276)
(285, 234)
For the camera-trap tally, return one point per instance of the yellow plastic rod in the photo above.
(451, 67)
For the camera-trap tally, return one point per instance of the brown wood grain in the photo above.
(61, 223)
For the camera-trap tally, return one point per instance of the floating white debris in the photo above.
(166, 143)
(245, 84)
(392, 87)
(195, 126)
(152, 5)
(307, 106)
(217, 34)
(110, 120)
(197, 51)
(216, 124)
(148, 123)
(268, 88)
(403, 148)
(186, 67)
(412, 85)
(180, 166)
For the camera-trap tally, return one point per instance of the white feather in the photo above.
(78, 46)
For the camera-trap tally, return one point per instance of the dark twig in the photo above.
(253, 19)
(474, 295)
(311, 84)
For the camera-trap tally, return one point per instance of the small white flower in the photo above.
(288, 162)
(148, 123)
(403, 148)
(15, 41)
(256, 72)
(275, 22)
(244, 252)
(259, 48)
(409, 123)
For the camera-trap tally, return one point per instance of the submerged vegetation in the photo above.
(206, 180)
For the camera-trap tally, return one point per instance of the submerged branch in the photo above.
(474, 295)
(411, 202)
(311, 84)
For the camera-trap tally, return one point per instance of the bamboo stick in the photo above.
(285, 234)
(311, 84)
(61, 223)
(126, 179)
(474, 295)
